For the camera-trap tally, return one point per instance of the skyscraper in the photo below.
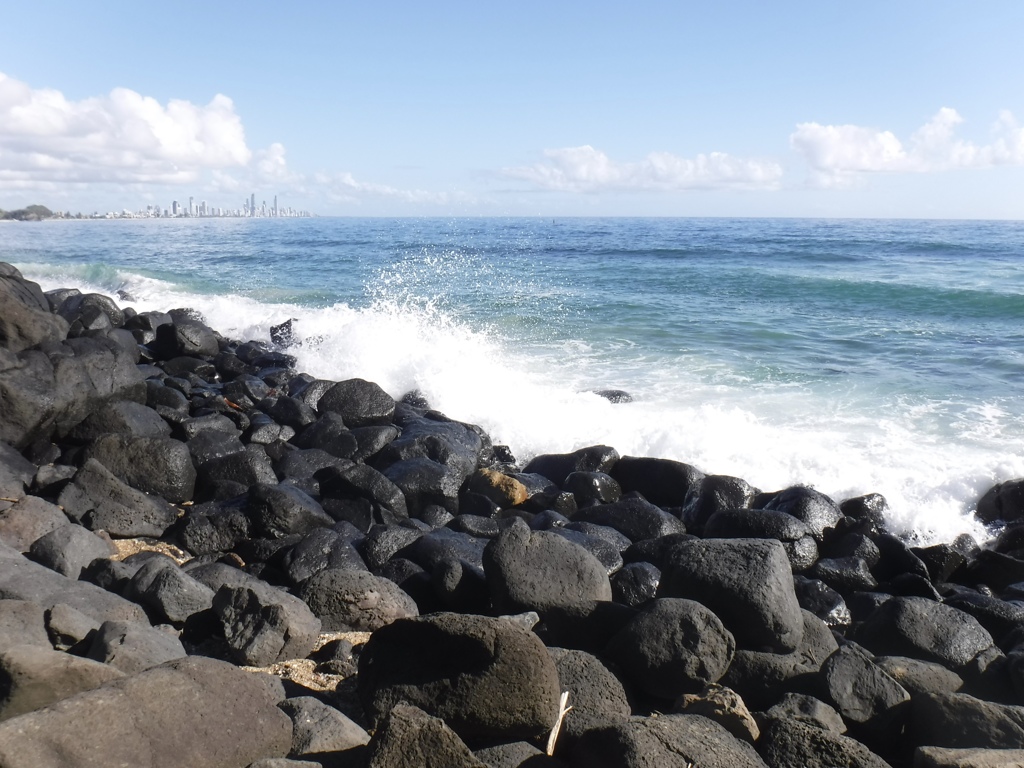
(252, 205)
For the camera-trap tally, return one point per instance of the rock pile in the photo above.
(692, 619)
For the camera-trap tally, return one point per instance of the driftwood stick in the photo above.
(562, 712)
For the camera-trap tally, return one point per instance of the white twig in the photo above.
(562, 712)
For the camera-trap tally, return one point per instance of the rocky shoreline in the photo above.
(319, 574)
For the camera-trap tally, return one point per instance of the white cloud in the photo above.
(585, 169)
(123, 137)
(345, 187)
(840, 155)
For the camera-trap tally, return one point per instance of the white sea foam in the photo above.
(537, 399)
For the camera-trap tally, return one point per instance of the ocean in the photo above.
(853, 356)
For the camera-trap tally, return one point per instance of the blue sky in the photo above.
(906, 109)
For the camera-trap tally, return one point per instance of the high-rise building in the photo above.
(252, 205)
(174, 208)
(191, 207)
(275, 206)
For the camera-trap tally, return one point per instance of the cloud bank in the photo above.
(123, 137)
(585, 169)
(840, 155)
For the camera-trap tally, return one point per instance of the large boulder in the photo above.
(960, 721)
(32, 677)
(356, 600)
(28, 519)
(661, 481)
(672, 647)
(158, 465)
(196, 712)
(491, 680)
(558, 466)
(596, 695)
(790, 743)
(21, 579)
(1003, 502)
(665, 741)
(748, 583)
(132, 646)
(99, 500)
(359, 402)
(923, 629)
(634, 517)
(410, 738)
(538, 570)
(48, 391)
(25, 316)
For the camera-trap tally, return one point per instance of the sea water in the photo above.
(854, 356)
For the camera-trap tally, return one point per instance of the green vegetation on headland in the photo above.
(31, 213)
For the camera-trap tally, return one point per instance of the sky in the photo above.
(909, 109)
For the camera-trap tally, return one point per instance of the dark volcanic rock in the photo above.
(32, 677)
(789, 743)
(184, 337)
(360, 403)
(636, 584)
(21, 579)
(634, 517)
(169, 592)
(816, 509)
(746, 582)
(538, 570)
(960, 721)
(592, 488)
(666, 741)
(356, 600)
(27, 520)
(99, 500)
(488, 679)
(68, 549)
(794, 534)
(22, 622)
(319, 728)
(25, 316)
(133, 647)
(556, 467)
(868, 699)
(595, 694)
(196, 712)
(923, 629)
(276, 511)
(157, 465)
(1003, 502)
(661, 481)
(50, 392)
(262, 624)
(586, 626)
(408, 737)
(712, 494)
(360, 481)
(671, 647)
(123, 417)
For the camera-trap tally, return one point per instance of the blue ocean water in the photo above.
(852, 355)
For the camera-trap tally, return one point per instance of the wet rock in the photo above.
(355, 600)
(746, 582)
(488, 679)
(823, 601)
(844, 574)
(818, 511)
(320, 549)
(662, 482)
(1003, 502)
(636, 584)
(123, 417)
(184, 336)
(672, 647)
(794, 534)
(236, 470)
(556, 467)
(329, 434)
(592, 488)
(360, 403)
(539, 570)
(712, 494)
(359, 481)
